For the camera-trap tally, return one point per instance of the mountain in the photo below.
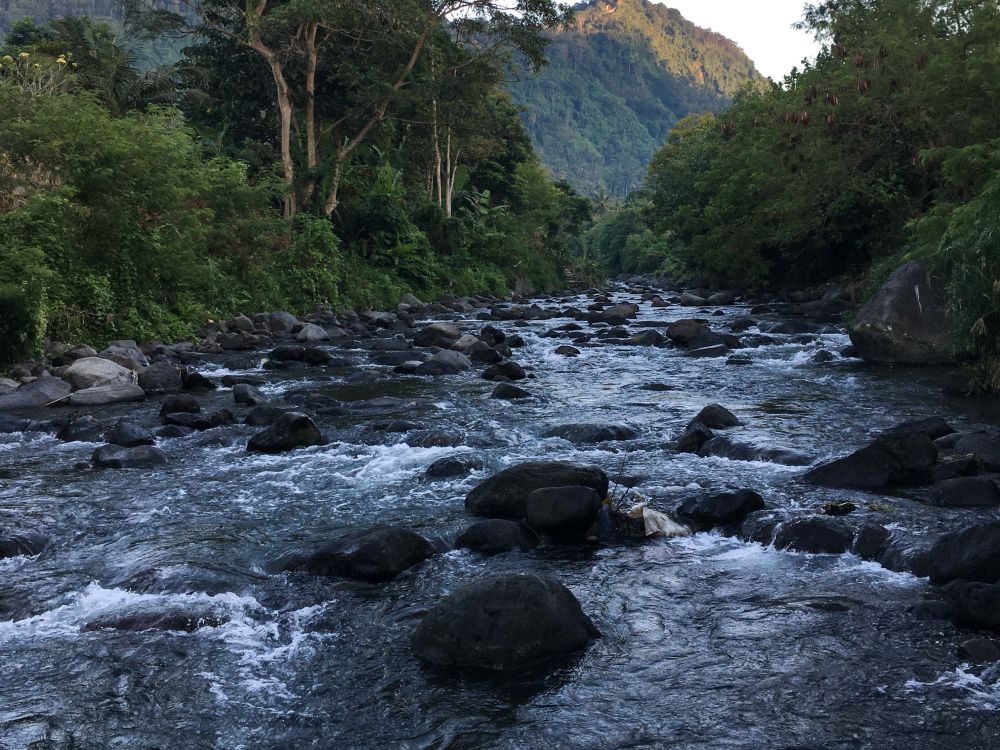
(40, 11)
(617, 81)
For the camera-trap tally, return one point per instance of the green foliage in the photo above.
(617, 80)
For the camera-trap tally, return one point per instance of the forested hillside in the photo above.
(12, 11)
(618, 79)
(333, 157)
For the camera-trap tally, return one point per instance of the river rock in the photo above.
(504, 622)
(311, 333)
(565, 511)
(583, 434)
(706, 352)
(287, 353)
(509, 392)
(195, 381)
(182, 402)
(508, 370)
(452, 466)
(687, 329)
(692, 300)
(379, 554)
(966, 492)
(160, 377)
(86, 429)
(647, 337)
(289, 431)
(282, 322)
(906, 320)
(893, 459)
(445, 362)
(119, 457)
(716, 416)
(101, 395)
(200, 421)
(983, 444)
(504, 495)
(129, 435)
(693, 438)
(720, 509)
(141, 617)
(567, 351)
(495, 535)
(973, 554)
(22, 544)
(974, 605)
(248, 395)
(39, 392)
(437, 334)
(815, 534)
(724, 447)
(95, 371)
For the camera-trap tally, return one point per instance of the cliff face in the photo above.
(617, 81)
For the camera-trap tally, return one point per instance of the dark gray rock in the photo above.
(567, 351)
(495, 535)
(966, 492)
(182, 402)
(86, 429)
(502, 623)
(289, 431)
(693, 438)
(716, 416)
(563, 511)
(453, 466)
(22, 544)
(893, 459)
(199, 421)
(129, 435)
(973, 554)
(509, 392)
(974, 605)
(160, 377)
(720, 509)
(871, 541)
(906, 320)
(119, 457)
(248, 395)
(39, 392)
(815, 534)
(584, 434)
(984, 445)
(375, 555)
(504, 495)
(503, 371)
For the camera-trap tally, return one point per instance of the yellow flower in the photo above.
(24, 55)
(61, 60)
(7, 58)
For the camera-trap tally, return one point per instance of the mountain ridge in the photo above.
(618, 79)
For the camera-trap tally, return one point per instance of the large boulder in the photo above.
(504, 371)
(119, 457)
(494, 535)
(86, 429)
(975, 605)
(505, 494)
(504, 622)
(101, 395)
(445, 362)
(312, 332)
(90, 371)
(129, 435)
(687, 330)
(721, 508)
(972, 554)
(896, 458)
(582, 434)
(289, 431)
(716, 416)
(21, 544)
(39, 392)
(563, 511)
(378, 554)
(906, 320)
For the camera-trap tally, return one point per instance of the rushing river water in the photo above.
(708, 642)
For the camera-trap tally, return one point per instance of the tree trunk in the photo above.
(285, 114)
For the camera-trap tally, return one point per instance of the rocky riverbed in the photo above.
(303, 532)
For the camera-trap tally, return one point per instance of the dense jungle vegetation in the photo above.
(300, 154)
(886, 147)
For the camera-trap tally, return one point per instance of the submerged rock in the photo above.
(452, 466)
(502, 623)
(504, 495)
(508, 370)
(176, 619)
(716, 416)
(582, 434)
(86, 429)
(378, 554)
(816, 534)
(119, 457)
(509, 392)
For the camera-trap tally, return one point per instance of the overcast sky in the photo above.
(763, 28)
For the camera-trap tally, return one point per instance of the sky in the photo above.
(763, 28)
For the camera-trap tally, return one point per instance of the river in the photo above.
(708, 641)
